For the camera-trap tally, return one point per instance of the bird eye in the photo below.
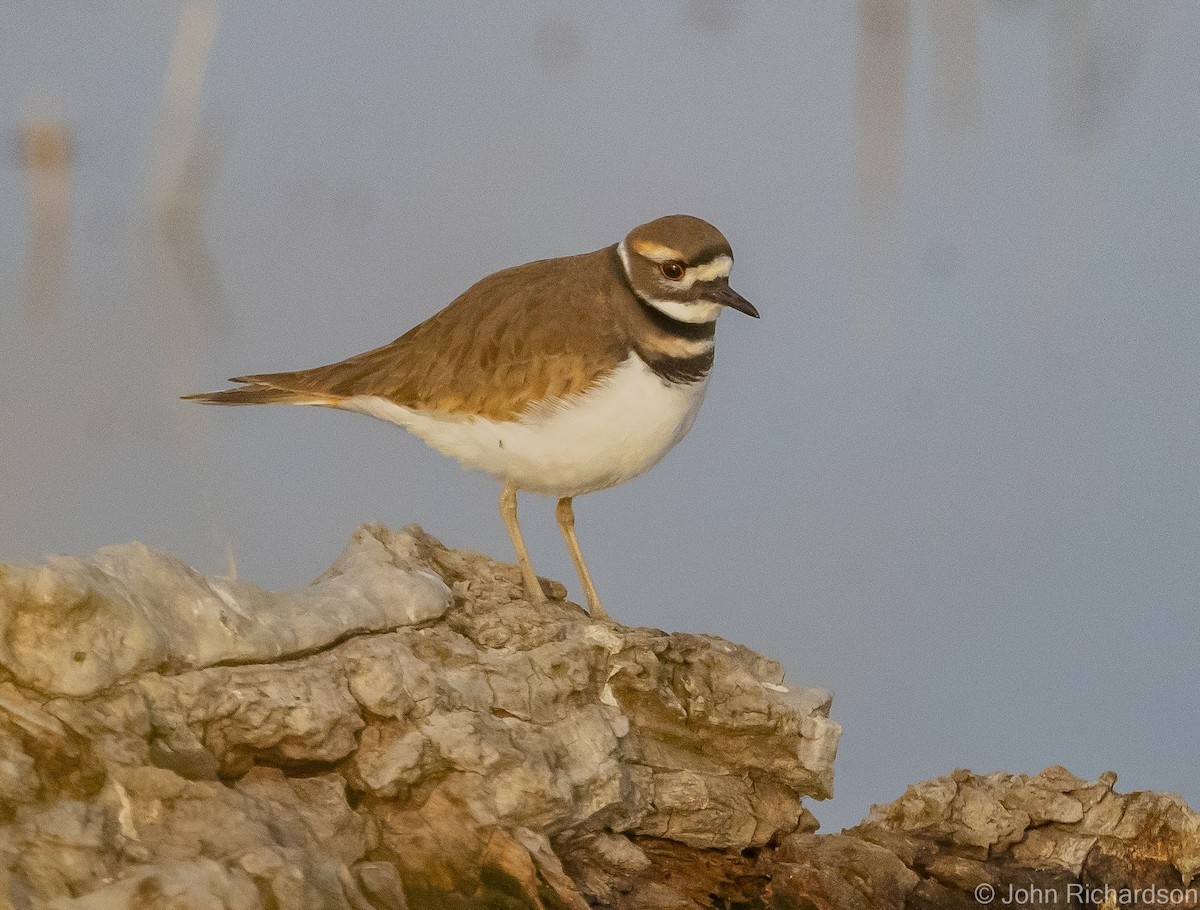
(672, 269)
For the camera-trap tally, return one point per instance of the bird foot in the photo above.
(548, 589)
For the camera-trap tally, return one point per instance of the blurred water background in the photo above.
(953, 472)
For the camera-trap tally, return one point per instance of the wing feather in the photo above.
(524, 336)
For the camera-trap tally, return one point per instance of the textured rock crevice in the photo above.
(410, 732)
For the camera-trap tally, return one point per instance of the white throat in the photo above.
(700, 311)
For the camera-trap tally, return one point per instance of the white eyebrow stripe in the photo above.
(700, 311)
(655, 252)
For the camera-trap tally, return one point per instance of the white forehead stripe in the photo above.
(714, 268)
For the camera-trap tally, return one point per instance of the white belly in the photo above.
(615, 431)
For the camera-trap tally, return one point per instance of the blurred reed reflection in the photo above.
(879, 148)
(714, 15)
(184, 283)
(1094, 49)
(957, 81)
(46, 155)
(558, 42)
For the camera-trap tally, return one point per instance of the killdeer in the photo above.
(561, 377)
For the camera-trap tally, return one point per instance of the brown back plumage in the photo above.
(524, 335)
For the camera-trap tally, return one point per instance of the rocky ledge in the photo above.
(410, 732)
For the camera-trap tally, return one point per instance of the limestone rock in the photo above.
(963, 840)
(77, 626)
(409, 731)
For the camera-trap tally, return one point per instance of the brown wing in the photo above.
(524, 335)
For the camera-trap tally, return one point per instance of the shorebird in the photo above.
(561, 376)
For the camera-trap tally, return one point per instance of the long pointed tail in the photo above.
(257, 392)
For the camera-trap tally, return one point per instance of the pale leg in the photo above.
(508, 512)
(566, 524)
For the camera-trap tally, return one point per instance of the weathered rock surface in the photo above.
(410, 732)
(1009, 840)
(76, 626)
